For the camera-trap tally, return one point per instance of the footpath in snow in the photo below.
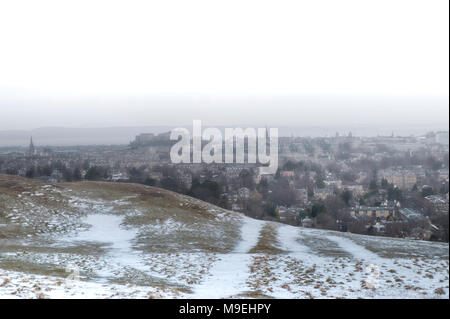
(230, 272)
(108, 229)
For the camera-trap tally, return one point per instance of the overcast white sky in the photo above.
(166, 62)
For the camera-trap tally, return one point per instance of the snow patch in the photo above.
(229, 274)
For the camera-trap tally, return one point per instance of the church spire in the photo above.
(31, 148)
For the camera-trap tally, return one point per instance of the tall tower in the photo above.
(31, 148)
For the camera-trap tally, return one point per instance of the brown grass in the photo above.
(267, 241)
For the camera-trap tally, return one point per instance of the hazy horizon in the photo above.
(88, 112)
(276, 63)
(70, 136)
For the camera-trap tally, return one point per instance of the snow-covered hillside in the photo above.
(105, 240)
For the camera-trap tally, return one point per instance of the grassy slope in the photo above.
(34, 216)
(180, 242)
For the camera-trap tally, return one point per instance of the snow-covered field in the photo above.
(93, 241)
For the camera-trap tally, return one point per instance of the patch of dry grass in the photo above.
(267, 241)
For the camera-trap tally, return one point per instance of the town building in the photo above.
(378, 212)
(31, 148)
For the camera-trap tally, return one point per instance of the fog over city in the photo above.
(228, 64)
